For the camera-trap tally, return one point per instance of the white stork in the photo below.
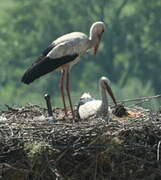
(62, 54)
(89, 106)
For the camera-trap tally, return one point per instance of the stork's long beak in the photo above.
(97, 45)
(109, 90)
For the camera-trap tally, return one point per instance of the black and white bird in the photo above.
(88, 106)
(62, 54)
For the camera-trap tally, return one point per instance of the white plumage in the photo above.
(89, 106)
(73, 43)
(62, 54)
(89, 109)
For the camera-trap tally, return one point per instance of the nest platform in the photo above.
(35, 147)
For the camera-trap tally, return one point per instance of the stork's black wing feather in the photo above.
(48, 49)
(45, 52)
(45, 65)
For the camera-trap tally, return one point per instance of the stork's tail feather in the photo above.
(36, 70)
(26, 78)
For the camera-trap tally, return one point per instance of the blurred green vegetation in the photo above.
(130, 52)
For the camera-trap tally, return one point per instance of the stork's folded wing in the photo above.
(45, 65)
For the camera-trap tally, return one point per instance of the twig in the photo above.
(158, 152)
(10, 108)
(141, 99)
(95, 173)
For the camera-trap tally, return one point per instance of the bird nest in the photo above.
(35, 147)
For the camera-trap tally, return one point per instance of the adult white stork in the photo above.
(89, 106)
(62, 54)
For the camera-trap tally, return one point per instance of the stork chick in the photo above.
(89, 106)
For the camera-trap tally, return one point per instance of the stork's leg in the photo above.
(68, 92)
(62, 90)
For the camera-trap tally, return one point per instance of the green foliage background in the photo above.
(130, 52)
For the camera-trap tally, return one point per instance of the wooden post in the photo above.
(48, 104)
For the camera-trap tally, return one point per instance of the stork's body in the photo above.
(89, 106)
(62, 54)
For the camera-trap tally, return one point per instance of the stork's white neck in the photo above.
(93, 39)
(104, 105)
(104, 97)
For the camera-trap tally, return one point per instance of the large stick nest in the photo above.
(33, 147)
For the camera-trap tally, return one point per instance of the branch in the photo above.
(118, 12)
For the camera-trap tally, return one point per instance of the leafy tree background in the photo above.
(130, 52)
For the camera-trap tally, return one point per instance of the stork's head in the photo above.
(104, 83)
(96, 31)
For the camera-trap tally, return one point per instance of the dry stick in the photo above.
(12, 134)
(142, 98)
(60, 156)
(158, 147)
(96, 166)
